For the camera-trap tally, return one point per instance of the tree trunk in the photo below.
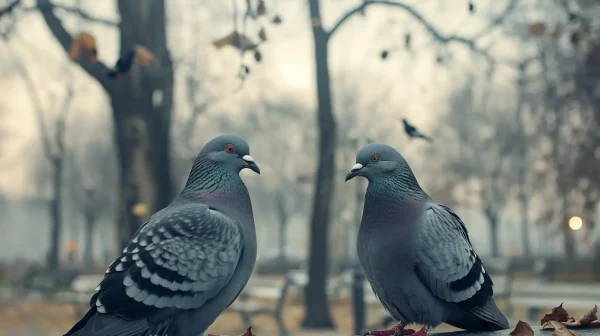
(88, 252)
(141, 120)
(493, 220)
(54, 208)
(569, 239)
(316, 305)
(524, 210)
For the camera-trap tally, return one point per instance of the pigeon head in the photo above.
(230, 152)
(375, 161)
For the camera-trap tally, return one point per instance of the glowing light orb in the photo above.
(575, 223)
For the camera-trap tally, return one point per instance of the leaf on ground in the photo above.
(559, 329)
(558, 314)
(522, 329)
(590, 319)
(248, 332)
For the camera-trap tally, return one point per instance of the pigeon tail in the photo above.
(481, 318)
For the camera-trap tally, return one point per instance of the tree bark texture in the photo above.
(141, 120)
(317, 313)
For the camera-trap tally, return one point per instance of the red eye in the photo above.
(374, 158)
(229, 149)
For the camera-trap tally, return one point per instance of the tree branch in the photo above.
(96, 70)
(73, 10)
(439, 37)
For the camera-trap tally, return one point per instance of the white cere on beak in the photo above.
(247, 158)
(356, 167)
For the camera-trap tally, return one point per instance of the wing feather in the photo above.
(447, 262)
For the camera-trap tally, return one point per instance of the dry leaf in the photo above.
(522, 329)
(257, 56)
(537, 29)
(558, 314)
(276, 19)
(143, 55)
(248, 332)
(559, 329)
(236, 40)
(261, 9)
(590, 319)
(262, 34)
(84, 44)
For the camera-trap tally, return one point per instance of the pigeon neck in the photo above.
(208, 181)
(396, 192)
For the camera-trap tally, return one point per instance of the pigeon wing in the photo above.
(178, 260)
(446, 261)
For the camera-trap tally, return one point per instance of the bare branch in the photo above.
(97, 70)
(61, 120)
(47, 5)
(439, 37)
(37, 106)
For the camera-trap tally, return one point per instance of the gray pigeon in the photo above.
(189, 262)
(417, 254)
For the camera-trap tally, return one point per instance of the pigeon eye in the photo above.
(374, 158)
(229, 149)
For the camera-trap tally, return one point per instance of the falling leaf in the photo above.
(537, 29)
(558, 314)
(407, 38)
(84, 44)
(140, 209)
(559, 329)
(262, 34)
(522, 329)
(248, 332)
(236, 40)
(143, 55)
(276, 19)
(471, 7)
(384, 54)
(261, 9)
(257, 56)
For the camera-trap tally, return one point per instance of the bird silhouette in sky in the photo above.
(413, 132)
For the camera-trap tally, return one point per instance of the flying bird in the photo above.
(189, 261)
(417, 254)
(413, 132)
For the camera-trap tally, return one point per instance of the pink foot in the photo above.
(248, 332)
(397, 330)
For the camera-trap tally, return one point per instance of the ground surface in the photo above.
(50, 319)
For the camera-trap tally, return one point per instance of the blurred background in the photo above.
(508, 91)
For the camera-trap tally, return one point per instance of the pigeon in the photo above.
(189, 261)
(416, 253)
(413, 132)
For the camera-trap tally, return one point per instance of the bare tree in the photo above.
(316, 308)
(53, 148)
(92, 168)
(141, 103)
(478, 148)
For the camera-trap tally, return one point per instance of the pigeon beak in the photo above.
(354, 171)
(251, 164)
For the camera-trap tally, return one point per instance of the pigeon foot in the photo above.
(397, 330)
